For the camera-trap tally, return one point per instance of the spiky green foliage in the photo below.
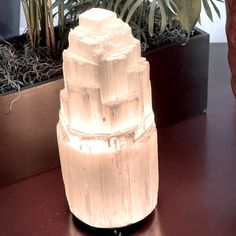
(40, 16)
(40, 19)
(149, 19)
(186, 11)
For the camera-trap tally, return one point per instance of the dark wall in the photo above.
(9, 18)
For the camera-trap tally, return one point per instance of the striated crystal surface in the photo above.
(106, 132)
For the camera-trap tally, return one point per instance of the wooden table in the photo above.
(197, 195)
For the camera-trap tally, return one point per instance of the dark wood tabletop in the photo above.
(197, 192)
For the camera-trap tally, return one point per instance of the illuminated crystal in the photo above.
(106, 133)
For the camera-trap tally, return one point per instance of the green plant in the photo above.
(145, 15)
(186, 11)
(40, 18)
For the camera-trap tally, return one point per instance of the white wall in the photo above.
(22, 21)
(216, 29)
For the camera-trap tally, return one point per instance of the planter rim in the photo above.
(200, 34)
(31, 86)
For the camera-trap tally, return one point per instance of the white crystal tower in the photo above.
(106, 133)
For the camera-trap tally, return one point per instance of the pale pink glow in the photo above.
(106, 132)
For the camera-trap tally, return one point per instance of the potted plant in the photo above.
(177, 53)
(29, 113)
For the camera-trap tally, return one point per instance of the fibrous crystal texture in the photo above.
(106, 133)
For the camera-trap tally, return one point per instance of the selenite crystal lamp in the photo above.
(106, 133)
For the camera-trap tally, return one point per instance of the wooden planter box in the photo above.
(28, 132)
(179, 79)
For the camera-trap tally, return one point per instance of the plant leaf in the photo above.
(172, 6)
(116, 5)
(199, 20)
(133, 9)
(151, 18)
(163, 16)
(207, 9)
(188, 13)
(125, 7)
(215, 8)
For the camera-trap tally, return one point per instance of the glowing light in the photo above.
(106, 132)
